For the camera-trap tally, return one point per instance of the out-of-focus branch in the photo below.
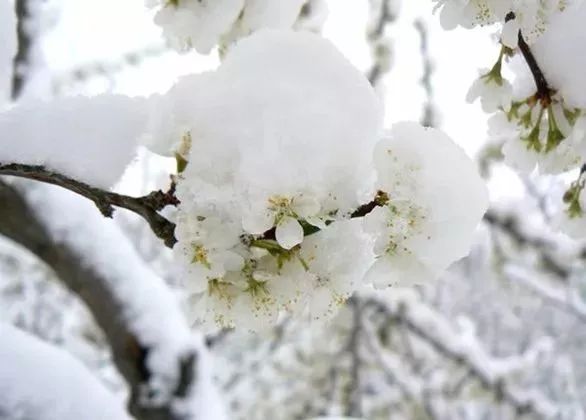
(564, 299)
(427, 325)
(512, 227)
(354, 406)
(429, 117)
(382, 14)
(147, 207)
(131, 347)
(88, 71)
(25, 44)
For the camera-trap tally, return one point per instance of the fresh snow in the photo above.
(40, 381)
(90, 139)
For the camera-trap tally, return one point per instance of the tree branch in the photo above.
(426, 324)
(544, 92)
(147, 207)
(511, 226)
(104, 297)
(379, 200)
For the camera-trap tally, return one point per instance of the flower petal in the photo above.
(289, 233)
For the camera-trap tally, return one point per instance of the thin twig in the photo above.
(544, 92)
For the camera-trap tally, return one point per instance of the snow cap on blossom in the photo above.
(300, 142)
(436, 199)
(274, 169)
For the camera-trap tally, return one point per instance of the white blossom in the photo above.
(494, 93)
(204, 24)
(295, 157)
(531, 16)
(432, 208)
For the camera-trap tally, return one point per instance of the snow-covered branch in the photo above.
(463, 349)
(566, 299)
(152, 344)
(511, 226)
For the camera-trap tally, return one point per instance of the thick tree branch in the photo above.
(19, 222)
(147, 207)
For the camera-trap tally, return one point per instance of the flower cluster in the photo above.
(290, 201)
(540, 119)
(204, 24)
(530, 16)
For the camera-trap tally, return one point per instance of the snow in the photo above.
(7, 48)
(89, 139)
(38, 381)
(150, 308)
(463, 345)
(279, 168)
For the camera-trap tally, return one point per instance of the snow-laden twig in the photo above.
(394, 368)
(465, 350)
(512, 227)
(151, 342)
(147, 206)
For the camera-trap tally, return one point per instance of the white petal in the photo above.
(257, 222)
(518, 156)
(289, 233)
(451, 14)
(305, 206)
(316, 221)
(398, 270)
(476, 90)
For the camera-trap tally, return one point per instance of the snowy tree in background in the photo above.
(337, 263)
